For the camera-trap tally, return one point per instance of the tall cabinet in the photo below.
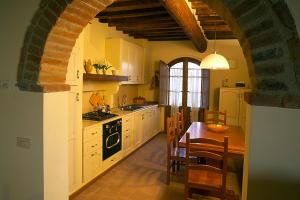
(232, 101)
(126, 57)
(74, 79)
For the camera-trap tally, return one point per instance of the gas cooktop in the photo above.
(97, 116)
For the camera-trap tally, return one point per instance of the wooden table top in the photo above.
(236, 137)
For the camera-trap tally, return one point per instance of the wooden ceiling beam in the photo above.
(167, 39)
(164, 17)
(146, 23)
(131, 14)
(113, 8)
(139, 27)
(170, 30)
(182, 14)
(219, 35)
(216, 28)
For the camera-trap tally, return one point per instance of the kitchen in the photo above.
(36, 128)
(100, 43)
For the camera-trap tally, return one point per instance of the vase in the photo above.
(88, 67)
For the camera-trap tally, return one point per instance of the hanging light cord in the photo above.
(215, 51)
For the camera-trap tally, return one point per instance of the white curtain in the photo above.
(175, 93)
(194, 90)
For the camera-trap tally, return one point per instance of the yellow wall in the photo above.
(95, 34)
(94, 49)
(168, 51)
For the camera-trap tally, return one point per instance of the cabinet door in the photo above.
(230, 101)
(138, 128)
(75, 138)
(140, 65)
(75, 64)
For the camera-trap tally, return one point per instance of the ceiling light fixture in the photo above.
(214, 61)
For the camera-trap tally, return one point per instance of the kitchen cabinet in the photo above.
(127, 57)
(232, 100)
(127, 134)
(74, 79)
(92, 148)
(138, 128)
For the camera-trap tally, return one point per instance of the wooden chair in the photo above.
(204, 177)
(175, 155)
(179, 124)
(215, 117)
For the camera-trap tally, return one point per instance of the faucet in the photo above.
(124, 100)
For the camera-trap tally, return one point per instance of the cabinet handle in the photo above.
(77, 74)
(92, 155)
(77, 96)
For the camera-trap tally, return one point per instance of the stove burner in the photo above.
(97, 116)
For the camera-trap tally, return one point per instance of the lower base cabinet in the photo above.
(92, 146)
(137, 128)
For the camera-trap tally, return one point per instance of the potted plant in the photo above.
(102, 66)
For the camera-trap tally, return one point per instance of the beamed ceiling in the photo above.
(149, 19)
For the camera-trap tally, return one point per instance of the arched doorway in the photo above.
(43, 61)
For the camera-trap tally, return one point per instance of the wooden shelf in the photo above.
(101, 77)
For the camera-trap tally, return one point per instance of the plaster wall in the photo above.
(21, 169)
(273, 155)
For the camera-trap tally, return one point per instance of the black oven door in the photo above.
(112, 138)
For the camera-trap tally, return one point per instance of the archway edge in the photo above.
(270, 44)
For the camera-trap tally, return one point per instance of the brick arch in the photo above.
(265, 30)
(49, 41)
(267, 34)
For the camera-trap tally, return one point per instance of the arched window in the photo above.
(188, 86)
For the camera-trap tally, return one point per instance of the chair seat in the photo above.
(178, 154)
(205, 178)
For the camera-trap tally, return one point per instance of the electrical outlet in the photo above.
(23, 142)
(4, 84)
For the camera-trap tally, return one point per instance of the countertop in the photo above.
(117, 111)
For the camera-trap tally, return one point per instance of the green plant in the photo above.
(101, 66)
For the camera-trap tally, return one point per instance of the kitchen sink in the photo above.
(131, 107)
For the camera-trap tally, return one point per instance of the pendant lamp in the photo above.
(214, 61)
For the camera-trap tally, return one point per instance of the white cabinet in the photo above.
(127, 134)
(127, 57)
(232, 100)
(92, 148)
(138, 128)
(74, 78)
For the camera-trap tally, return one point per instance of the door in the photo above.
(75, 138)
(230, 101)
(163, 83)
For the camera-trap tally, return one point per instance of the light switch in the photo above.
(24, 142)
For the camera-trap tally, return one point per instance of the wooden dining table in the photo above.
(236, 141)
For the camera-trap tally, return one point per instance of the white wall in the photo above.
(55, 148)
(273, 155)
(21, 113)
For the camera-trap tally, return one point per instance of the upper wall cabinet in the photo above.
(127, 57)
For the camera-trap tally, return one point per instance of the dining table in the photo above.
(235, 134)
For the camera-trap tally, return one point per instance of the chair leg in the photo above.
(168, 172)
(178, 165)
(186, 192)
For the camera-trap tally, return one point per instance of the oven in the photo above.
(111, 138)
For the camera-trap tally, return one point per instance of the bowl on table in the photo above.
(219, 128)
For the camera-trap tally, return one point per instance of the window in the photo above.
(188, 84)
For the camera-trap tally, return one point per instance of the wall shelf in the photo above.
(101, 77)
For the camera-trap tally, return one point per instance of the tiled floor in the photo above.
(139, 177)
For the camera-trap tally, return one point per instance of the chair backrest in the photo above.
(171, 134)
(215, 117)
(180, 123)
(192, 151)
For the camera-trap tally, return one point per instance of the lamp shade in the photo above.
(214, 61)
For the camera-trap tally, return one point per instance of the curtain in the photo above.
(175, 93)
(194, 90)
